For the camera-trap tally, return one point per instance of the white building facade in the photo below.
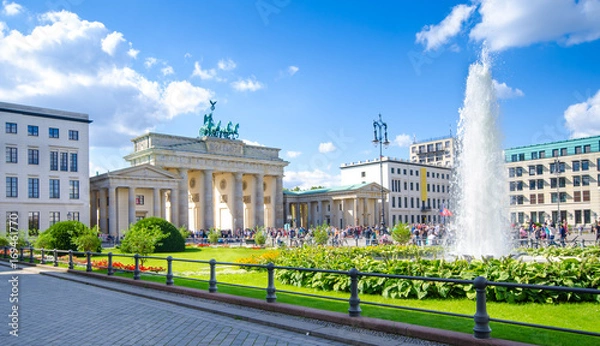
(45, 174)
(416, 191)
(435, 151)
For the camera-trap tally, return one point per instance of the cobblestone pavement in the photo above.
(52, 311)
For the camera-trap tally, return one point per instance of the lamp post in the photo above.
(380, 137)
(69, 216)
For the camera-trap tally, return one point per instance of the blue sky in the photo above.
(308, 77)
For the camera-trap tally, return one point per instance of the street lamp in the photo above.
(69, 216)
(380, 137)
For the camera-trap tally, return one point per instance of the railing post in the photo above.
(55, 258)
(136, 270)
(482, 328)
(271, 297)
(70, 259)
(88, 266)
(354, 309)
(43, 261)
(30, 254)
(170, 271)
(110, 271)
(5, 252)
(212, 283)
(21, 254)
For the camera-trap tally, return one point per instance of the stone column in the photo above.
(131, 205)
(259, 202)
(183, 199)
(308, 214)
(238, 201)
(320, 212)
(175, 207)
(279, 201)
(298, 214)
(156, 205)
(113, 226)
(209, 213)
(356, 213)
(102, 212)
(93, 208)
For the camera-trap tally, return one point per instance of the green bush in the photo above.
(320, 234)
(64, 236)
(401, 233)
(142, 240)
(213, 236)
(260, 238)
(173, 242)
(4, 241)
(89, 240)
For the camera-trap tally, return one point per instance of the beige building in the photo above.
(45, 174)
(552, 181)
(199, 183)
(435, 151)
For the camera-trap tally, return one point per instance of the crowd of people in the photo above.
(554, 234)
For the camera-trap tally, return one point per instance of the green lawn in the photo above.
(581, 316)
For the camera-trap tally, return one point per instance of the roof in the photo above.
(345, 188)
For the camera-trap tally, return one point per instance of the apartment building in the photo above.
(46, 169)
(435, 151)
(552, 181)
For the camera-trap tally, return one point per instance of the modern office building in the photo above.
(45, 174)
(552, 181)
(435, 151)
(416, 191)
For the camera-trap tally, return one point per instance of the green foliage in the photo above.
(4, 241)
(173, 242)
(185, 233)
(320, 234)
(34, 232)
(89, 240)
(142, 240)
(583, 272)
(65, 235)
(401, 233)
(213, 236)
(259, 237)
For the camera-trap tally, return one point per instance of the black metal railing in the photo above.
(481, 329)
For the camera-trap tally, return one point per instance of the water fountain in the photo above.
(479, 186)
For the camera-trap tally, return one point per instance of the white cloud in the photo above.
(503, 91)
(308, 179)
(150, 62)
(167, 70)
(516, 23)
(249, 84)
(326, 147)
(226, 65)
(111, 41)
(292, 70)
(203, 74)
(583, 119)
(249, 142)
(434, 36)
(11, 9)
(402, 140)
(37, 68)
(187, 56)
(133, 53)
(293, 154)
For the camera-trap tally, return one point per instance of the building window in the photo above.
(578, 149)
(54, 217)
(520, 199)
(75, 216)
(522, 157)
(576, 166)
(139, 200)
(512, 186)
(532, 199)
(33, 130)
(586, 196)
(586, 216)
(561, 167)
(11, 155)
(519, 171)
(73, 162)
(11, 127)
(73, 189)
(554, 152)
(577, 216)
(64, 162)
(563, 152)
(54, 188)
(576, 180)
(563, 197)
(585, 180)
(562, 182)
(539, 169)
(531, 170)
(513, 158)
(519, 186)
(540, 184)
(73, 135)
(587, 148)
(598, 164)
(33, 156)
(534, 155)
(576, 196)
(540, 198)
(532, 184)
(12, 184)
(393, 202)
(552, 182)
(585, 165)
(363, 174)
(53, 132)
(553, 197)
(542, 154)
(34, 220)
(54, 160)
(511, 172)
(33, 187)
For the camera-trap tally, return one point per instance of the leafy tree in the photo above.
(213, 236)
(173, 242)
(88, 240)
(320, 234)
(259, 237)
(142, 240)
(401, 233)
(185, 233)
